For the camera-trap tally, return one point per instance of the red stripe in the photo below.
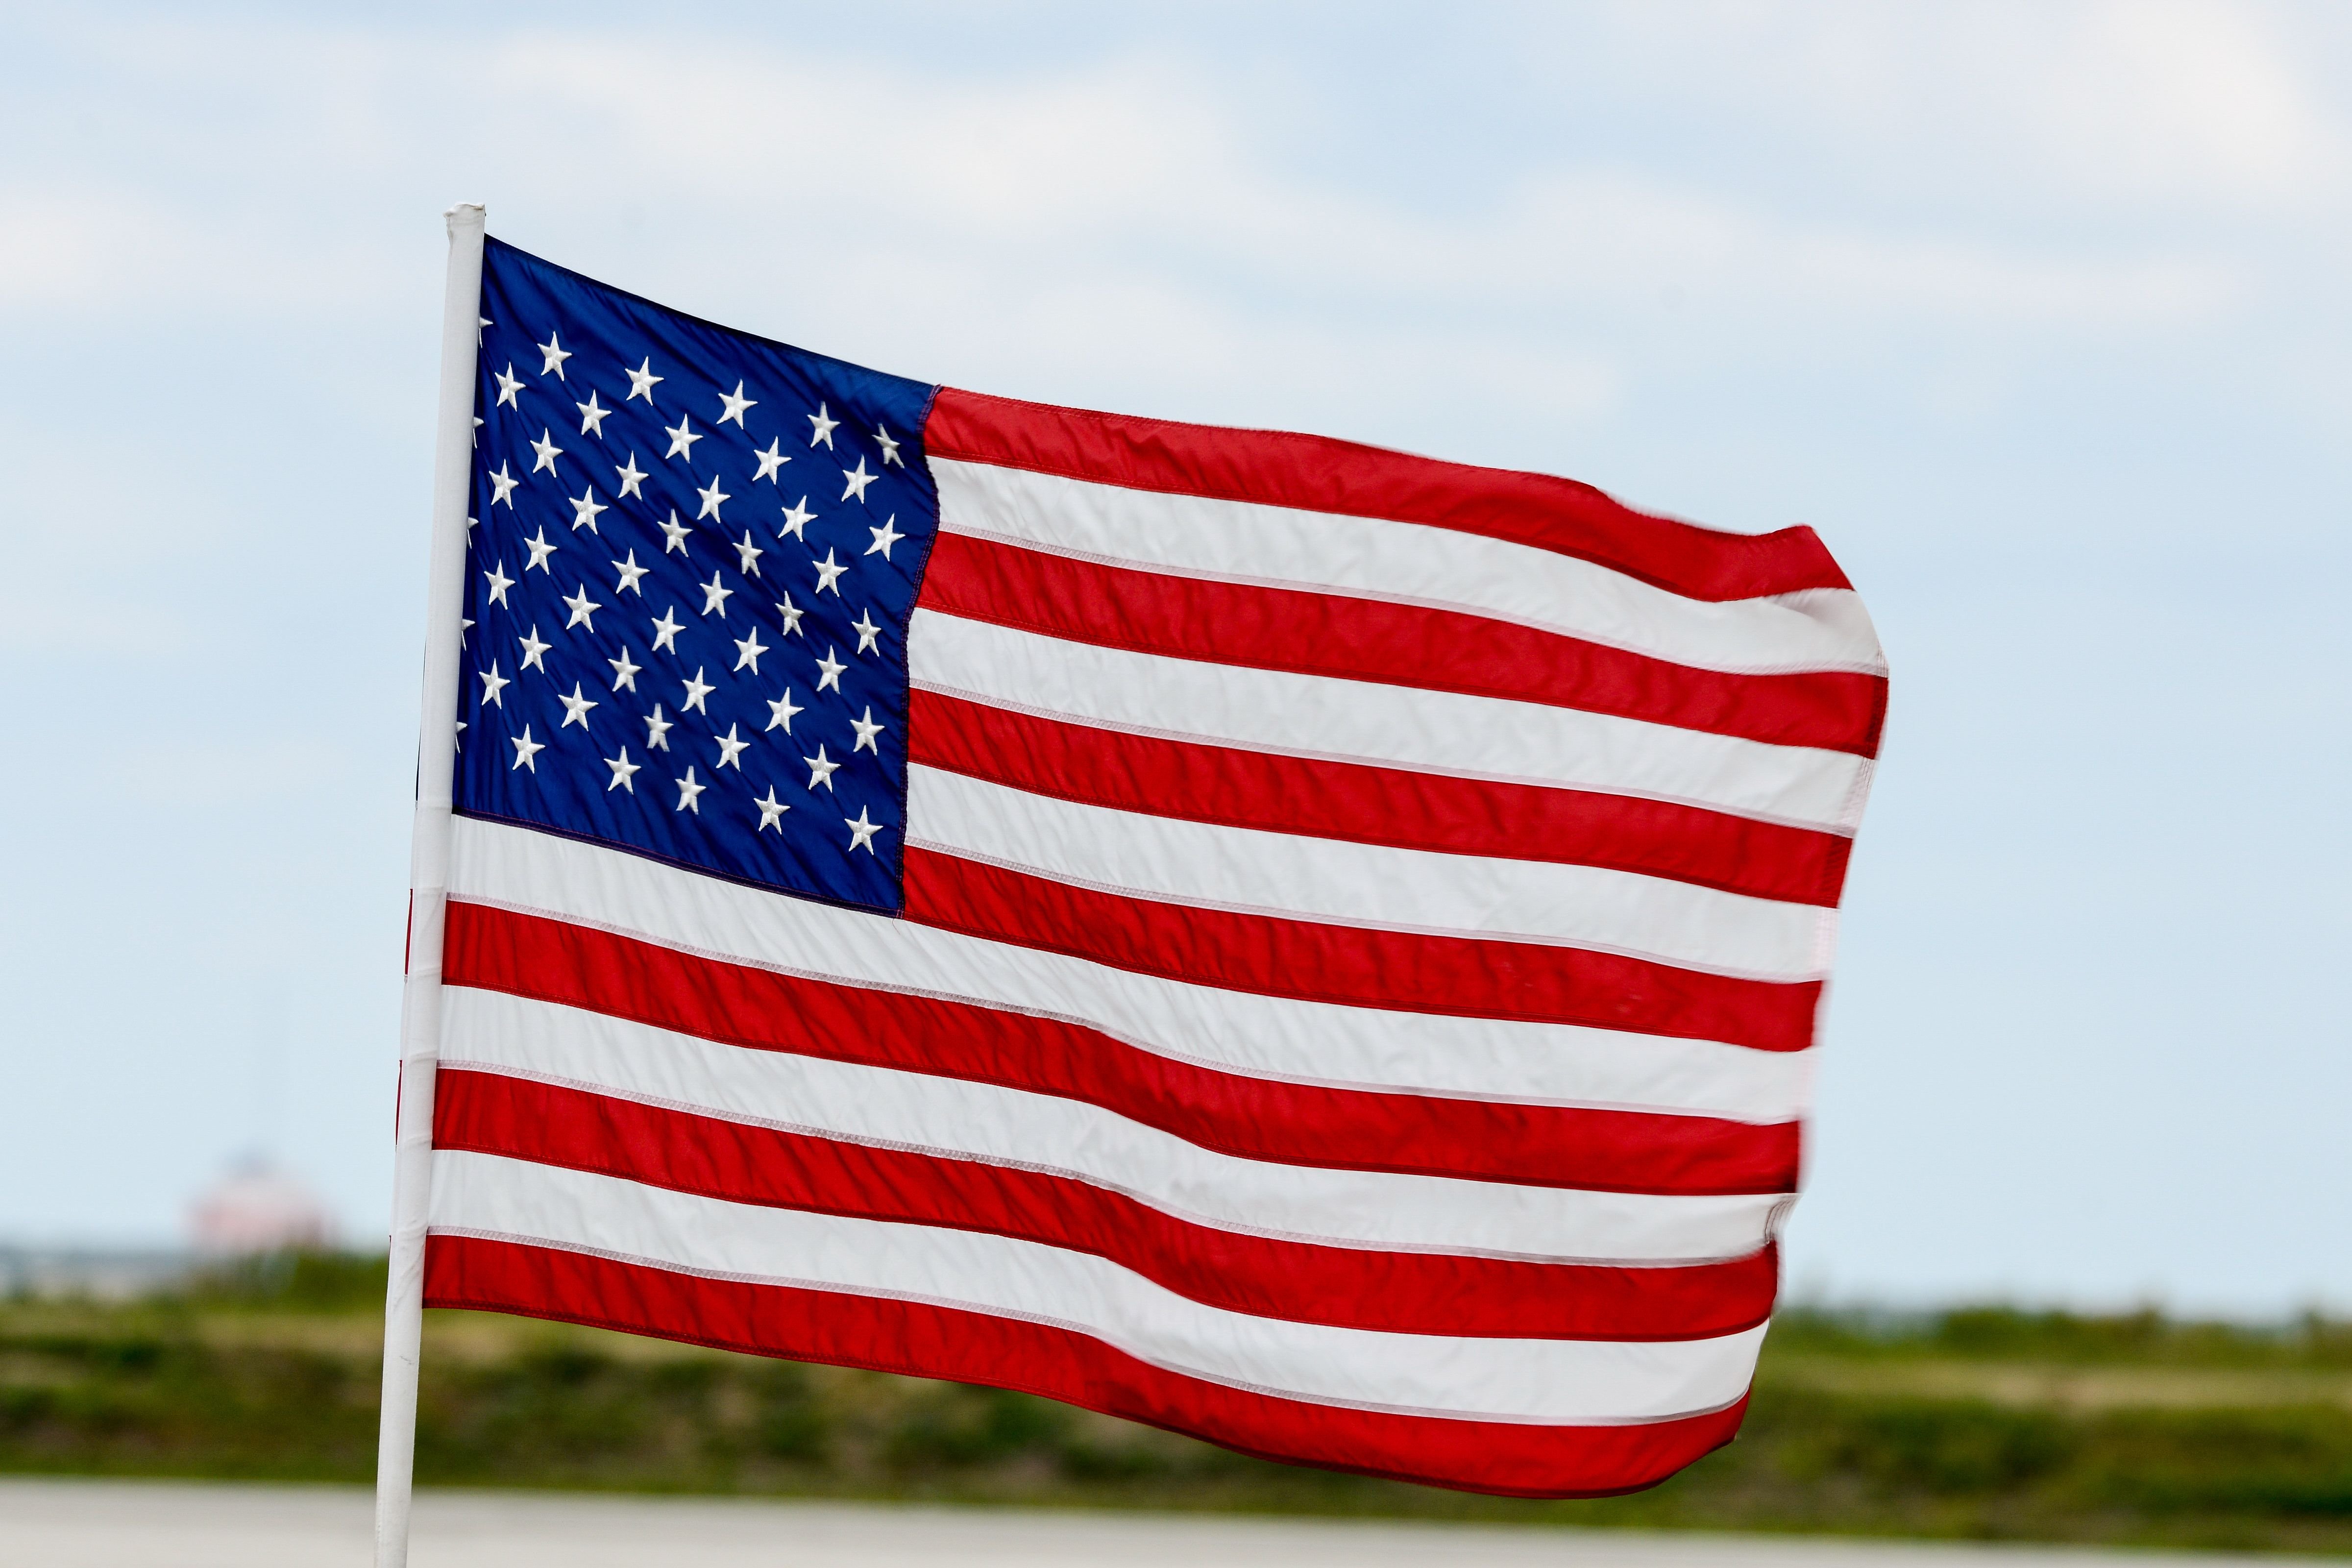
(1260, 1119)
(1315, 473)
(1060, 1364)
(1235, 787)
(1277, 956)
(1347, 638)
(1345, 1287)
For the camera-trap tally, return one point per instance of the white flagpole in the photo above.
(428, 878)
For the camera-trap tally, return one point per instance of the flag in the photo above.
(1297, 944)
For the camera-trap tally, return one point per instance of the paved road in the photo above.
(136, 1524)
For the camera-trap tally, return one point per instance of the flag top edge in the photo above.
(1321, 473)
(854, 369)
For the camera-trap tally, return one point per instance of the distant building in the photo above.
(256, 1209)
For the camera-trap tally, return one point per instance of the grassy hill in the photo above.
(1986, 1423)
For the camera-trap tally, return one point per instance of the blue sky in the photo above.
(2035, 311)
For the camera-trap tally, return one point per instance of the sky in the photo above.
(2036, 312)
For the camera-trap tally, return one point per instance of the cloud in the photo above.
(94, 249)
(2157, 106)
(1128, 169)
(1117, 209)
(2156, 99)
(1594, 235)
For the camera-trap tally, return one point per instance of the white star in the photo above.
(731, 749)
(676, 533)
(696, 690)
(829, 671)
(476, 442)
(464, 625)
(630, 572)
(592, 416)
(575, 708)
(539, 551)
(854, 481)
(714, 596)
(889, 444)
(585, 507)
(502, 486)
(884, 537)
(733, 404)
(821, 769)
(711, 498)
(770, 461)
(861, 831)
(866, 730)
(771, 810)
(484, 321)
(748, 651)
(546, 449)
(750, 554)
(534, 652)
(509, 385)
(623, 770)
(792, 614)
(472, 523)
(682, 439)
(527, 751)
(867, 632)
(688, 792)
(496, 581)
(641, 380)
(583, 608)
(657, 730)
(633, 478)
(827, 571)
(556, 354)
(781, 712)
(492, 684)
(825, 425)
(624, 674)
(666, 630)
(461, 724)
(797, 517)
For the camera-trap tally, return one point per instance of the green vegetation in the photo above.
(1985, 1423)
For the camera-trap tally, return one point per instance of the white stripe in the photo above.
(1354, 721)
(954, 1119)
(1405, 563)
(1524, 1380)
(1231, 1031)
(1368, 885)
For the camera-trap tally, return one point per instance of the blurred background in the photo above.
(2034, 311)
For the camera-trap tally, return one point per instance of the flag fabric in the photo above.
(1301, 944)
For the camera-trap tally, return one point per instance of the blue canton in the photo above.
(692, 557)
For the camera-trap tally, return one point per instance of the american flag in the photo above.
(1301, 944)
